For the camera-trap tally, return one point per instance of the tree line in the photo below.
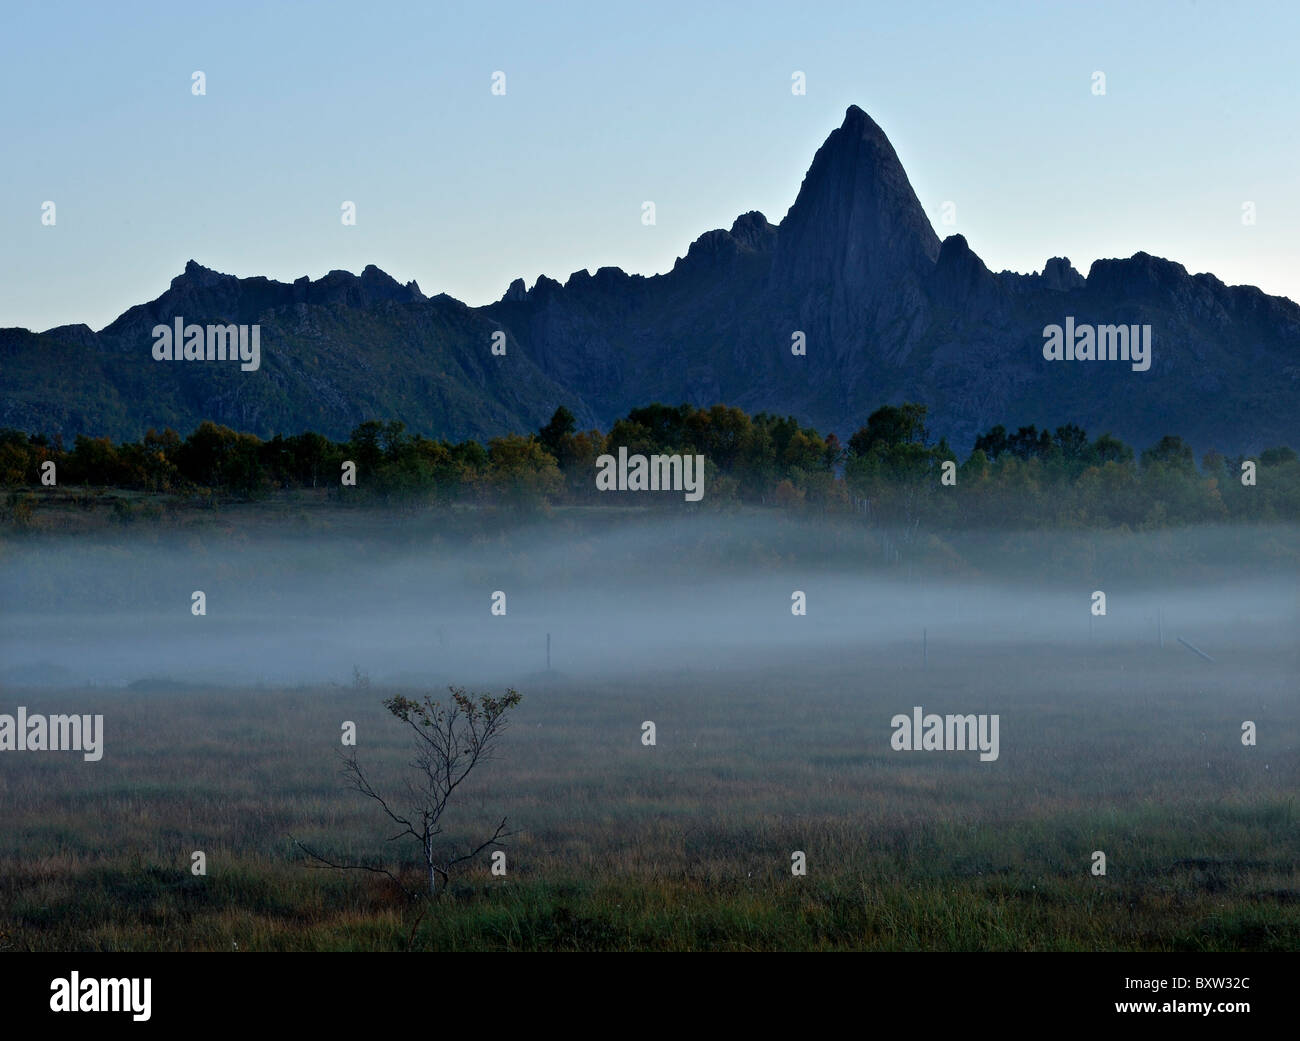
(891, 469)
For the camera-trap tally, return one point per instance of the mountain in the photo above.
(887, 311)
(334, 352)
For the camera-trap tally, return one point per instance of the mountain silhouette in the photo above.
(887, 312)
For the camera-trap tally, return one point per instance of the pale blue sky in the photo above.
(607, 105)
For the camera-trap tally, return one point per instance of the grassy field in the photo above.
(1133, 750)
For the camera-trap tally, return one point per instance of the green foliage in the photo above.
(890, 427)
(553, 435)
(889, 471)
(482, 713)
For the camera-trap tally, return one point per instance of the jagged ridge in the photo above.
(888, 312)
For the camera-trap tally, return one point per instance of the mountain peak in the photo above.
(856, 245)
(752, 231)
(960, 276)
(856, 205)
(857, 120)
(195, 274)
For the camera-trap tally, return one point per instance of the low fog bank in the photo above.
(642, 596)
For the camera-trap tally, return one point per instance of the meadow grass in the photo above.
(1132, 750)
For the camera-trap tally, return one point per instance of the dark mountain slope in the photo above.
(334, 352)
(887, 311)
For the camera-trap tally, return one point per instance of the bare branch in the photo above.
(497, 836)
(451, 740)
(353, 867)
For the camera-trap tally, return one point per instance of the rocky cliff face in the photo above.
(887, 311)
(854, 252)
(890, 313)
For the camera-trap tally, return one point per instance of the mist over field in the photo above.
(411, 607)
(775, 732)
(872, 533)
